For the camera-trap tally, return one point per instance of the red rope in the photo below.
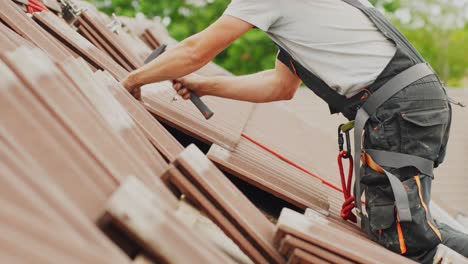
(35, 6)
(283, 158)
(348, 205)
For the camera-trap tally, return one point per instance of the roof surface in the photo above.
(95, 178)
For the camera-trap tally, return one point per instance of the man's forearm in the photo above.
(257, 88)
(180, 61)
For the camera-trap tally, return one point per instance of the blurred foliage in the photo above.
(251, 53)
(444, 46)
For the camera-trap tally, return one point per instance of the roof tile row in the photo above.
(91, 139)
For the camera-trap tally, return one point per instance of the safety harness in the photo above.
(362, 106)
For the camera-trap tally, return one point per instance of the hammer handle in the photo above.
(201, 106)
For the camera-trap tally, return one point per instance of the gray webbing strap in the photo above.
(401, 197)
(396, 84)
(356, 3)
(384, 93)
(400, 160)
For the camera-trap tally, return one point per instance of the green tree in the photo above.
(438, 29)
(253, 52)
(441, 41)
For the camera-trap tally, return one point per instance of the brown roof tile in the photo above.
(324, 234)
(96, 89)
(65, 34)
(224, 128)
(27, 28)
(229, 200)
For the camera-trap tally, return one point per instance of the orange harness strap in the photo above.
(367, 160)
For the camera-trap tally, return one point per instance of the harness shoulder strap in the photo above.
(356, 3)
(335, 101)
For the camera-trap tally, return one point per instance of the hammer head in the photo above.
(156, 53)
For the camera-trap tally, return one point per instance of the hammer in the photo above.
(201, 106)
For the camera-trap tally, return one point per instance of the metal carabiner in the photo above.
(341, 141)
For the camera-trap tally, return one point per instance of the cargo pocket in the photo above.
(423, 132)
(380, 132)
(380, 207)
(420, 234)
(383, 225)
(407, 238)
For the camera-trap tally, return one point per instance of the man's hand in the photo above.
(132, 86)
(192, 83)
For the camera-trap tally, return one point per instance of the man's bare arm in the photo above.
(190, 54)
(267, 86)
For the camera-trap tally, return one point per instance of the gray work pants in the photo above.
(415, 121)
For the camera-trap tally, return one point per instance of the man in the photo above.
(354, 59)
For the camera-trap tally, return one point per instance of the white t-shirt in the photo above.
(332, 39)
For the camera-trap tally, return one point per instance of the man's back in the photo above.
(332, 39)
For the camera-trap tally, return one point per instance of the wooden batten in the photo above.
(207, 187)
(149, 226)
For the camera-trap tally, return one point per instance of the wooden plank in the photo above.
(6, 43)
(323, 234)
(143, 216)
(115, 88)
(224, 128)
(301, 257)
(300, 143)
(104, 44)
(337, 222)
(42, 246)
(38, 203)
(149, 44)
(203, 226)
(262, 169)
(228, 199)
(289, 243)
(15, 188)
(53, 5)
(309, 141)
(138, 27)
(11, 38)
(57, 152)
(199, 200)
(85, 33)
(142, 259)
(46, 145)
(27, 28)
(83, 121)
(23, 2)
(96, 89)
(153, 42)
(133, 61)
(164, 142)
(134, 44)
(64, 33)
